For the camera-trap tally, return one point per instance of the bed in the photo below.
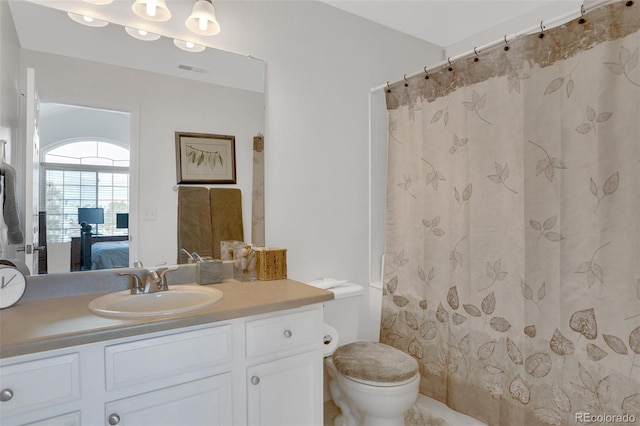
(107, 249)
(109, 255)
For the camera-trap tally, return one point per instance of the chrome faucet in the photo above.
(151, 282)
(154, 281)
(136, 282)
(161, 281)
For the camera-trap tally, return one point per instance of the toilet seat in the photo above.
(383, 384)
(375, 364)
(329, 362)
(372, 402)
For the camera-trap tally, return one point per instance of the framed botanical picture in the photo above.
(204, 158)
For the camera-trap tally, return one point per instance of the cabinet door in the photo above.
(205, 402)
(71, 419)
(286, 392)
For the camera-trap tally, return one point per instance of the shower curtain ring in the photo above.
(426, 74)
(506, 43)
(388, 87)
(581, 20)
(406, 83)
(541, 35)
(450, 64)
(476, 59)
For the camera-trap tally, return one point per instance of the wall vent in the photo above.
(193, 69)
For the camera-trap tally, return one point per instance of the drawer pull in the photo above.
(114, 419)
(288, 333)
(255, 380)
(6, 395)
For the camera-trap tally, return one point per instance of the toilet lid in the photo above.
(374, 362)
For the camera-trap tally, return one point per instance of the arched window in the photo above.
(84, 173)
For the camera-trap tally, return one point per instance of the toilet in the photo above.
(372, 383)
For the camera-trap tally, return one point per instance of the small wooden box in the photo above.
(271, 264)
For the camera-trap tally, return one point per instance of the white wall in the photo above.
(321, 65)
(59, 122)
(162, 105)
(516, 26)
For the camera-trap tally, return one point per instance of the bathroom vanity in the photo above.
(254, 358)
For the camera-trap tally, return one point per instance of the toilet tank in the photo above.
(343, 312)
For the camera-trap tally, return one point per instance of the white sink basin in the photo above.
(178, 299)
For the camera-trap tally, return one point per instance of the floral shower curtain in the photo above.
(512, 271)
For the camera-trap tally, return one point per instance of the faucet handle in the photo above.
(162, 281)
(136, 282)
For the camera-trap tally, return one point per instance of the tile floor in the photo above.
(425, 412)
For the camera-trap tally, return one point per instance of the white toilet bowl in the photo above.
(373, 384)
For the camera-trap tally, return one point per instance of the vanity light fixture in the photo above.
(141, 34)
(152, 10)
(87, 20)
(203, 19)
(188, 46)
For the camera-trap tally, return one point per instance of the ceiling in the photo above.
(47, 29)
(446, 22)
(441, 22)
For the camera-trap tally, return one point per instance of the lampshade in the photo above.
(188, 46)
(203, 19)
(141, 34)
(153, 10)
(87, 20)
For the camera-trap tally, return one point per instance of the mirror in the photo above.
(162, 90)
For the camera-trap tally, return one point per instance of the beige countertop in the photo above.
(41, 325)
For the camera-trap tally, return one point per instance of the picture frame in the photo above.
(203, 158)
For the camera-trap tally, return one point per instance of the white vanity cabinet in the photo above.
(205, 402)
(257, 370)
(40, 385)
(284, 372)
(197, 363)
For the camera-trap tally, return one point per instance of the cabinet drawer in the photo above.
(159, 358)
(39, 384)
(283, 332)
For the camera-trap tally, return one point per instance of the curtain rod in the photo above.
(537, 28)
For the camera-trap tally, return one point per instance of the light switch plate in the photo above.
(149, 213)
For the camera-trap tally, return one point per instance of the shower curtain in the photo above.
(512, 267)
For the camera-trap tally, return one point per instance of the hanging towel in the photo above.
(10, 207)
(226, 217)
(194, 222)
(257, 198)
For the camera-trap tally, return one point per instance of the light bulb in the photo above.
(202, 20)
(189, 46)
(151, 8)
(87, 20)
(141, 34)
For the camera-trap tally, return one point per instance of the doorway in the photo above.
(84, 168)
